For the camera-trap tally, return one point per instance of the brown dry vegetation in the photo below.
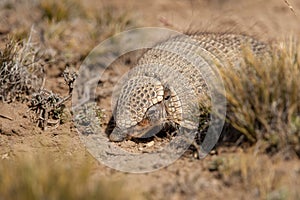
(54, 164)
(263, 98)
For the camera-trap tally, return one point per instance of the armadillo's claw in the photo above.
(117, 135)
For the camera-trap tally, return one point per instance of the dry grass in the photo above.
(73, 29)
(263, 98)
(56, 11)
(110, 21)
(43, 178)
(260, 176)
(21, 70)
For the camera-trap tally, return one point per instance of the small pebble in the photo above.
(150, 144)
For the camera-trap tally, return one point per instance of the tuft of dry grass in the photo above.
(111, 21)
(56, 11)
(263, 98)
(43, 178)
(21, 70)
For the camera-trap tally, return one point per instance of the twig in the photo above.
(290, 6)
(63, 100)
(166, 22)
(6, 117)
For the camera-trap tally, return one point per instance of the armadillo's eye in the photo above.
(167, 94)
(167, 97)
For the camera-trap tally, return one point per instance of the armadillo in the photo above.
(165, 87)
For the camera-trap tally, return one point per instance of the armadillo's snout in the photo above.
(118, 135)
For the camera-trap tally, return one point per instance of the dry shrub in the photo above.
(21, 70)
(43, 178)
(48, 106)
(263, 97)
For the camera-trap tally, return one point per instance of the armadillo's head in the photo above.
(143, 107)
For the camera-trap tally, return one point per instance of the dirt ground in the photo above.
(232, 172)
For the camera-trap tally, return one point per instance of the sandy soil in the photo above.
(188, 178)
